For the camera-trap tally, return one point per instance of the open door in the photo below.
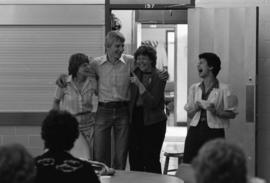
(232, 34)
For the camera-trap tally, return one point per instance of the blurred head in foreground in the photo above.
(59, 131)
(219, 161)
(16, 164)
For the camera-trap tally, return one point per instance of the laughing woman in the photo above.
(77, 98)
(209, 107)
(148, 119)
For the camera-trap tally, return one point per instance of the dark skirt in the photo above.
(197, 136)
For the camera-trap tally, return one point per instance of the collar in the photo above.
(69, 79)
(61, 153)
(215, 85)
(147, 73)
(104, 59)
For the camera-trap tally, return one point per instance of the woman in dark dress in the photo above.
(148, 119)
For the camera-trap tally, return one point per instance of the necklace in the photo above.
(79, 84)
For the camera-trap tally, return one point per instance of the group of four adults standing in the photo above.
(131, 102)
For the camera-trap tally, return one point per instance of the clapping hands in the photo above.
(203, 104)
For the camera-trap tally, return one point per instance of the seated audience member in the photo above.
(59, 132)
(220, 162)
(16, 164)
(186, 173)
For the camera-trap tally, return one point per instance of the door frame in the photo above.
(256, 92)
(109, 7)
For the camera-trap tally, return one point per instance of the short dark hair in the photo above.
(147, 51)
(212, 61)
(16, 164)
(59, 130)
(75, 61)
(113, 36)
(219, 161)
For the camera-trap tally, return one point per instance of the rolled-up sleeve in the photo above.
(59, 92)
(190, 100)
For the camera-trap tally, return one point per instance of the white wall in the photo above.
(159, 34)
(127, 21)
(16, 15)
(263, 82)
(52, 14)
(230, 3)
(181, 72)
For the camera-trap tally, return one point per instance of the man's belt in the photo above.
(113, 104)
(83, 113)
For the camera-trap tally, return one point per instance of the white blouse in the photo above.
(221, 97)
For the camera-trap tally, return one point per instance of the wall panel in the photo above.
(36, 42)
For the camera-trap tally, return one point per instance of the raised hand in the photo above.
(61, 81)
(134, 79)
(163, 75)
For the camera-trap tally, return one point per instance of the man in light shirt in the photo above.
(112, 70)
